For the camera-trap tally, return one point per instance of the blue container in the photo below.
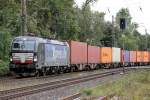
(126, 56)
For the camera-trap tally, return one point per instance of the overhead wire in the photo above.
(139, 9)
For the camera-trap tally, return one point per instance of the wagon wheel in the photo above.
(73, 69)
(44, 73)
(62, 70)
(38, 73)
(18, 76)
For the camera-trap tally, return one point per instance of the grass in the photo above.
(135, 86)
(3, 68)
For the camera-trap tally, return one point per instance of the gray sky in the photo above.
(141, 17)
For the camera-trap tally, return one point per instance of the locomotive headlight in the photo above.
(35, 59)
(11, 59)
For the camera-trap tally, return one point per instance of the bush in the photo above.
(87, 92)
(5, 40)
(3, 68)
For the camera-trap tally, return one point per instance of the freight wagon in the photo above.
(93, 57)
(106, 57)
(125, 55)
(148, 58)
(145, 57)
(139, 58)
(78, 55)
(116, 57)
(132, 58)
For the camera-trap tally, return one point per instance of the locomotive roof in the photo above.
(29, 38)
(42, 40)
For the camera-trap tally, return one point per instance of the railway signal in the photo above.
(122, 23)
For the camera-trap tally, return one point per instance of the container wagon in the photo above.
(145, 57)
(116, 57)
(93, 57)
(106, 57)
(132, 58)
(125, 58)
(78, 55)
(148, 58)
(139, 58)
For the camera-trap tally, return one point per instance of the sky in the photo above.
(139, 10)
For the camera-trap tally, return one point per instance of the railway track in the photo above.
(12, 83)
(23, 91)
(12, 78)
(72, 97)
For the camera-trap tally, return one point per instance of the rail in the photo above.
(23, 91)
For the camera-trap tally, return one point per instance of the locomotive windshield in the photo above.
(23, 45)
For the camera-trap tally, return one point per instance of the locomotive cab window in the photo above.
(23, 45)
(16, 45)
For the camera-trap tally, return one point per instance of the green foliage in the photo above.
(50, 18)
(10, 16)
(5, 40)
(132, 39)
(124, 88)
(3, 68)
(87, 92)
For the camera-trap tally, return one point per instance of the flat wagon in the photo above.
(78, 55)
(93, 56)
(106, 57)
(116, 57)
(132, 58)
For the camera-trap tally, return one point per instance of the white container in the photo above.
(116, 55)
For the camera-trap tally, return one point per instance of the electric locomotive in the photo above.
(34, 56)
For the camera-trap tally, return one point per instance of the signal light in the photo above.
(122, 23)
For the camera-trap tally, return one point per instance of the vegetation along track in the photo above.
(23, 91)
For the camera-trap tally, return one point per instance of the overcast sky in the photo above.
(139, 10)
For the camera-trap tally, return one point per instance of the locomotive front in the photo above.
(23, 55)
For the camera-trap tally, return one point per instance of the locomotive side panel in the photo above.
(56, 55)
(53, 55)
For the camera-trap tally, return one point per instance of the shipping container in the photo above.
(116, 55)
(78, 52)
(93, 54)
(139, 56)
(51, 54)
(125, 56)
(105, 55)
(148, 56)
(145, 56)
(133, 56)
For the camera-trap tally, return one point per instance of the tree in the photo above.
(132, 36)
(54, 17)
(5, 40)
